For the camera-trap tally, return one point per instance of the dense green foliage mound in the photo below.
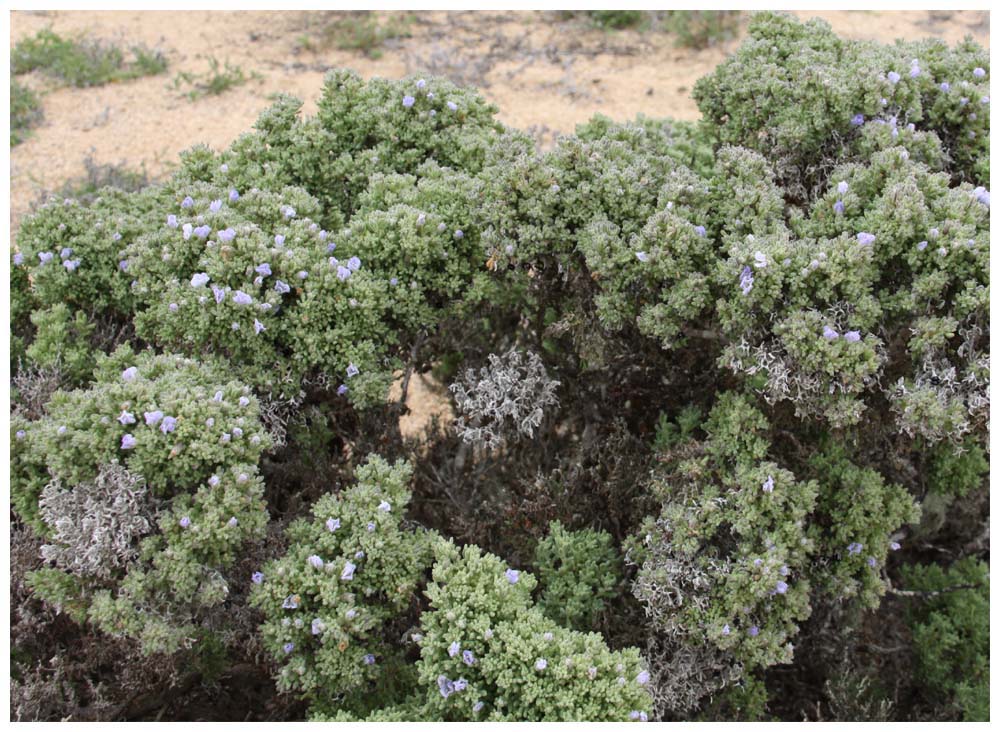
(712, 372)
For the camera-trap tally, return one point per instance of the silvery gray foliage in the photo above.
(684, 673)
(506, 398)
(34, 386)
(95, 524)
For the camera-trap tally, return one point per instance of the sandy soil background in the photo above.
(544, 73)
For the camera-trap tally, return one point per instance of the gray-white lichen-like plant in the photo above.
(95, 525)
(507, 398)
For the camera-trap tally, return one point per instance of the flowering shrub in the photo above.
(349, 573)
(157, 440)
(488, 653)
(807, 265)
(740, 545)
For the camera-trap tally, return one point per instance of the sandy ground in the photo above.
(544, 74)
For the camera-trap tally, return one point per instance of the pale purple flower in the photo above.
(244, 401)
(754, 631)
(829, 333)
(302, 274)
(839, 207)
(371, 526)
(768, 485)
(185, 522)
(468, 659)
(257, 577)
(317, 626)
(459, 233)
(893, 77)
(351, 614)
(985, 100)
(369, 659)
(461, 684)
(227, 235)
(922, 245)
(746, 280)
(979, 72)
(454, 649)
(126, 418)
(842, 187)
(359, 555)
(288, 212)
(234, 195)
(153, 418)
(168, 425)
(315, 561)
(264, 270)
(512, 576)
(871, 562)
(348, 573)
(66, 253)
(865, 239)
(642, 678)
(18, 259)
(855, 548)
(188, 202)
(541, 664)
(781, 588)
(421, 83)
(478, 707)
(393, 281)
(214, 480)
(342, 389)
(200, 279)
(760, 260)
(20, 434)
(852, 336)
(945, 86)
(343, 273)
(332, 524)
(408, 101)
(700, 230)
(354, 264)
(241, 298)
(452, 106)
(725, 629)
(258, 326)
(642, 256)
(289, 647)
(894, 545)
(203, 231)
(384, 506)
(61, 430)
(857, 120)
(445, 686)
(130, 373)
(914, 71)
(173, 307)
(123, 265)
(291, 602)
(331, 247)
(45, 257)
(226, 437)
(219, 294)
(237, 432)
(281, 287)
(352, 370)
(215, 205)
(232, 522)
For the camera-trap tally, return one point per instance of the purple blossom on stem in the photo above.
(352, 370)
(408, 101)
(264, 270)
(768, 485)
(185, 522)
(893, 77)
(348, 573)
(754, 631)
(454, 649)
(241, 298)
(829, 333)
(468, 659)
(512, 576)
(227, 235)
(130, 373)
(852, 336)
(234, 195)
(128, 442)
(126, 418)
(746, 280)
(200, 279)
(153, 418)
(865, 239)
(642, 256)
(258, 326)
(257, 577)
(188, 202)
(354, 264)
(342, 389)
(857, 120)
(855, 548)
(203, 231)
(168, 425)
(343, 273)
(332, 524)
(839, 207)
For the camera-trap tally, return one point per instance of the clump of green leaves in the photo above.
(220, 78)
(360, 31)
(702, 28)
(25, 111)
(578, 572)
(616, 19)
(83, 62)
(951, 633)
